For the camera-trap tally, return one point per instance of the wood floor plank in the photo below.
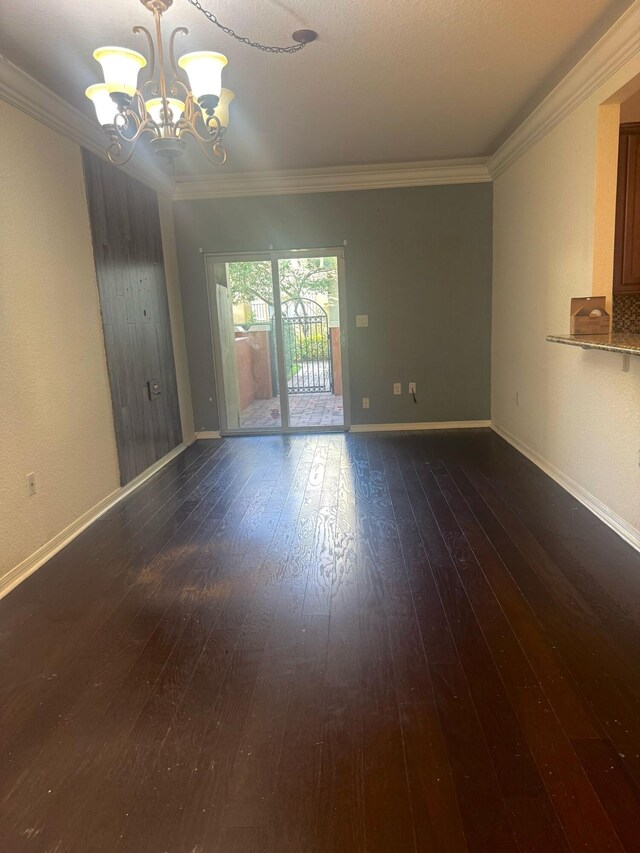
(582, 814)
(121, 708)
(327, 644)
(240, 839)
(536, 825)
(516, 770)
(484, 811)
(616, 789)
(296, 785)
(87, 665)
(609, 683)
(387, 799)
(77, 606)
(434, 806)
(340, 822)
(200, 747)
(540, 659)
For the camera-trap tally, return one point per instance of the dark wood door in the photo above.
(626, 275)
(127, 247)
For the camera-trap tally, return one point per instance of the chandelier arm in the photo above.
(172, 56)
(124, 120)
(211, 148)
(213, 126)
(293, 48)
(184, 125)
(115, 150)
(175, 87)
(213, 130)
(141, 107)
(220, 154)
(145, 125)
(120, 143)
(152, 52)
(151, 86)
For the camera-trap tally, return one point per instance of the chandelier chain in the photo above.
(294, 48)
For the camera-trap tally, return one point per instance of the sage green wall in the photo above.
(418, 262)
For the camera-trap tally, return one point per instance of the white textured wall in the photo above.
(55, 409)
(577, 410)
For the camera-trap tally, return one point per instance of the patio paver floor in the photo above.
(305, 410)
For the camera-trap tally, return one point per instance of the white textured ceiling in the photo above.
(388, 81)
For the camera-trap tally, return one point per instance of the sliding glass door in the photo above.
(248, 348)
(278, 341)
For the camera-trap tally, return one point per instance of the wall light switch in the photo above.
(362, 320)
(397, 388)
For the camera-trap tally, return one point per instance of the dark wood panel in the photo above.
(330, 644)
(127, 248)
(626, 262)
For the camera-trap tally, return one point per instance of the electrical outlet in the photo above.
(412, 387)
(397, 388)
(365, 402)
(31, 484)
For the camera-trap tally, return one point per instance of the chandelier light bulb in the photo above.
(204, 70)
(120, 67)
(99, 95)
(222, 110)
(155, 109)
(164, 110)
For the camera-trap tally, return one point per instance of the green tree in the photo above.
(299, 277)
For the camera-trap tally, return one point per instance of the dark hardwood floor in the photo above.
(328, 644)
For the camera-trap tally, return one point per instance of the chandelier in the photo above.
(164, 109)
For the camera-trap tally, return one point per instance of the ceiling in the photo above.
(386, 82)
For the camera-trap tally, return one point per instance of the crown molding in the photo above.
(336, 179)
(29, 96)
(616, 47)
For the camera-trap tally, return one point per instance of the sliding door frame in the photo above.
(211, 259)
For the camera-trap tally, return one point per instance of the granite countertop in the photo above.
(613, 342)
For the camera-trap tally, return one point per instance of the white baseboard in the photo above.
(27, 567)
(208, 433)
(603, 512)
(419, 426)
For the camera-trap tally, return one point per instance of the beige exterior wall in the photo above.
(55, 409)
(577, 409)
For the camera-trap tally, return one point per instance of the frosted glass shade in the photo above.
(101, 99)
(120, 67)
(204, 70)
(154, 108)
(222, 110)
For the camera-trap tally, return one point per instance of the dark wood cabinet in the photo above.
(626, 265)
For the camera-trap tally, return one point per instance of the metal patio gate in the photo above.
(307, 347)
